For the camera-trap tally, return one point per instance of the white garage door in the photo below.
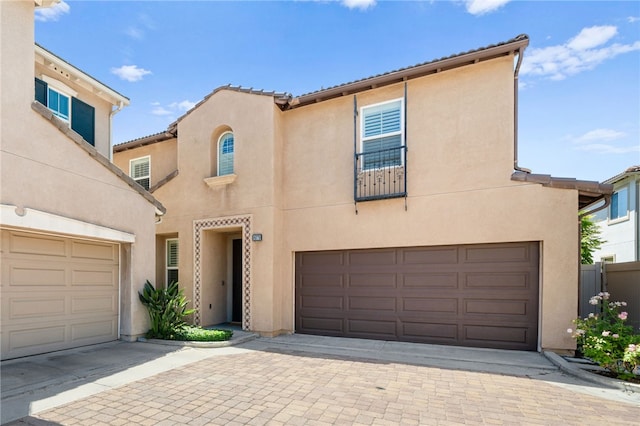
(57, 293)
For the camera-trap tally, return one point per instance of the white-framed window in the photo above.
(172, 260)
(226, 151)
(59, 104)
(619, 208)
(382, 134)
(140, 171)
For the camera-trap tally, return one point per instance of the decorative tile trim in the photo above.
(199, 226)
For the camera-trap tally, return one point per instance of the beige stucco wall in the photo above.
(42, 169)
(164, 159)
(295, 180)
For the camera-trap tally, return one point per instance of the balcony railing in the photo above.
(380, 174)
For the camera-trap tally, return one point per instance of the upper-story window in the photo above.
(62, 102)
(619, 204)
(58, 103)
(381, 134)
(225, 154)
(140, 171)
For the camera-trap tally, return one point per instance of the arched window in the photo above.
(225, 154)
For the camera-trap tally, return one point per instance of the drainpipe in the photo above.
(113, 112)
(515, 112)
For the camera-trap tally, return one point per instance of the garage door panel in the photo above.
(37, 245)
(27, 340)
(372, 280)
(94, 277)
(430, 256)
(321, 259)
(370, 327)
(435, 332)
(57, 293)
(87, 332)
(322, 325)
(490, 335)
(22, 308)
(321, 281)
(428, 305)
(371, 258)
(496, 280)
(369, 303)
(95, 251)
(496, 307)
(498, 254)
(479, 295)
(25, 274)
(430, 280)
(94, 304)
(323, 302)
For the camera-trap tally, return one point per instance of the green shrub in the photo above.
(199, 334)
(167, 309)
(606, 339)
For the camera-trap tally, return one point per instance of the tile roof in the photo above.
(631, 170)
(286, 101)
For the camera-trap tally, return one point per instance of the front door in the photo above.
(236, 314)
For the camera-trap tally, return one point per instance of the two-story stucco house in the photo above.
(385, 208)
(620, 222)
(77, 234)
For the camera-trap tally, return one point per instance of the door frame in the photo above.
(231, 224)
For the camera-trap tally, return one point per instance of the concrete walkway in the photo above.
(302, 379)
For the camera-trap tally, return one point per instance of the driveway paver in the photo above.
(277, 386)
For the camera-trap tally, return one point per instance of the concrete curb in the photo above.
(226, 343)
(569, 368)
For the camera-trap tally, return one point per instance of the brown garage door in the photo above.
(57, 293)
(473, 295)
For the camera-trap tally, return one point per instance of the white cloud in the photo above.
(158, 110)
(130, 73)
(173, 109)
(600, 141)
(633, 19)
(358, 4)
(480, 7)
(134, 32)
(601, 148)
(600, 135)
(583, 52)
(52, 13)
(185, 105)
(592, 37)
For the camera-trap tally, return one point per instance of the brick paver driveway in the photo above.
(285, 387)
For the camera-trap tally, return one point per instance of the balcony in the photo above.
(379, 175)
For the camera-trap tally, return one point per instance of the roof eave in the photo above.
(100, 89)
(589, 192)
(147, 140)
(413, 72)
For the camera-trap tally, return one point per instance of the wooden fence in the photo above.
(621, 280)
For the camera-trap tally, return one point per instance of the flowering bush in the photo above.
(606, 339)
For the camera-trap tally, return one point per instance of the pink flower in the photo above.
(594, 300)
(622, 315)
(615, 336)
(633, 348)
(606, 333)
(623, 303)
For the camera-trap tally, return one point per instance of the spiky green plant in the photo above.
(167, 309)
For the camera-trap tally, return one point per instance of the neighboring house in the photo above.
(77, 235)
(385, 208)
(620, 221)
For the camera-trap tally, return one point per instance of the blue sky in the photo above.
(579, 96)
